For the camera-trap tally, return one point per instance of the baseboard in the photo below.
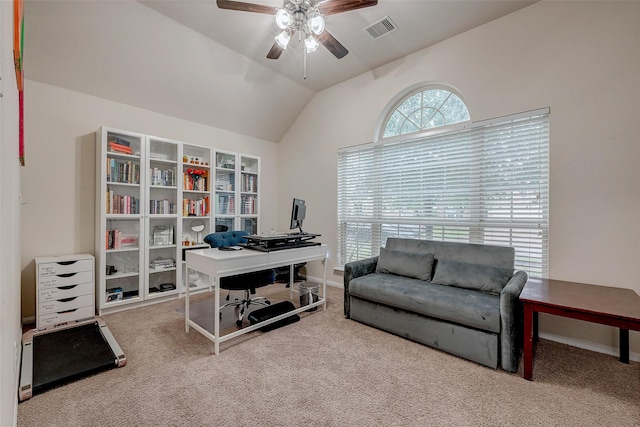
(588, 345)
(329, 282)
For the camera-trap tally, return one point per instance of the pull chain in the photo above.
(304, 76)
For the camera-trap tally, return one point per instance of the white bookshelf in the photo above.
(196, 208)
(120, 221)
(237, 191)
(163, 226)
(155, 199)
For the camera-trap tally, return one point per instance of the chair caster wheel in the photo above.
(268, 302)
(238, 322)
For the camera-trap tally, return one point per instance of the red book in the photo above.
(120, 148)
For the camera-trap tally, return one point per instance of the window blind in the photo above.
(488, 184)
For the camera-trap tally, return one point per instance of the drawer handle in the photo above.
(67, 311)
(66, 274)
(67, 299)
(66, 288)
(67, 262)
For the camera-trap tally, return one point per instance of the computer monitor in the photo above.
(298, 211)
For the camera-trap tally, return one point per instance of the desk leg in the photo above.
(624, 345)
(528, 341)
(324, 283)
(186, 304)
(291, 280)
(216, 316)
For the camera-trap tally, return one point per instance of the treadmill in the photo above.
(56, 356)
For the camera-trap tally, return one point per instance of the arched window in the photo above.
(423, 109)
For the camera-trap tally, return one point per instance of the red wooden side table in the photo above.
(617, 307)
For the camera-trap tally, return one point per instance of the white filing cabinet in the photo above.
(65, 289)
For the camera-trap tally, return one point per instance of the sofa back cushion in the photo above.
(496, 256)
(408, 264)
(480, 277)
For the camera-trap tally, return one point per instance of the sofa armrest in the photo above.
(511, 318)
(351, 271)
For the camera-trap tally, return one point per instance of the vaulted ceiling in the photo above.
(192, 60)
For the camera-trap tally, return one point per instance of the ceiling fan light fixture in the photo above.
(311, 44)
(283, 19)
(316, 24)
(283, 39)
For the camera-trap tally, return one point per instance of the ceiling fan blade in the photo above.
(331, 7)
(246, 7)
(334, 46)
(275, 51)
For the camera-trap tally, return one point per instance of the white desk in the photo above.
(216, 264)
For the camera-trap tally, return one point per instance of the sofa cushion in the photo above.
(500, 256)
(408, 264)
(483, 278)
(463, 306)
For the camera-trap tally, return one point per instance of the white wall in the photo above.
(10, 330)
(581, 59)
(58, 181)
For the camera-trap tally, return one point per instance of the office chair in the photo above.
(247, 282)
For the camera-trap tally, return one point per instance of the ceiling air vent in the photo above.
(381, 28)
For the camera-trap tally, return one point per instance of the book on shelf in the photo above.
(225, 204)
(125, 172)
(119, 145)
(248, 205)
(195, 182)
(120, 148)
(249, 183)
(116, 239)
(121, 204)
(199, 207)
(162, 207)
(163, 177)
(118, 140)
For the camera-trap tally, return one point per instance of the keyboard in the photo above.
(278, 247)
(269, 235)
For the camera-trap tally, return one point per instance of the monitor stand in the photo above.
(59, 355)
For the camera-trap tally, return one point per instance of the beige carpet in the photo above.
(326, 370)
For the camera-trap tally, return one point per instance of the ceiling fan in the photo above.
(305, 17)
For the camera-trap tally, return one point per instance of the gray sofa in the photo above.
(458, 297)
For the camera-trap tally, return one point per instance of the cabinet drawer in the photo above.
(66, 304)
(65, 279)
(52, 319)
(52, 294)
(64, 267)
